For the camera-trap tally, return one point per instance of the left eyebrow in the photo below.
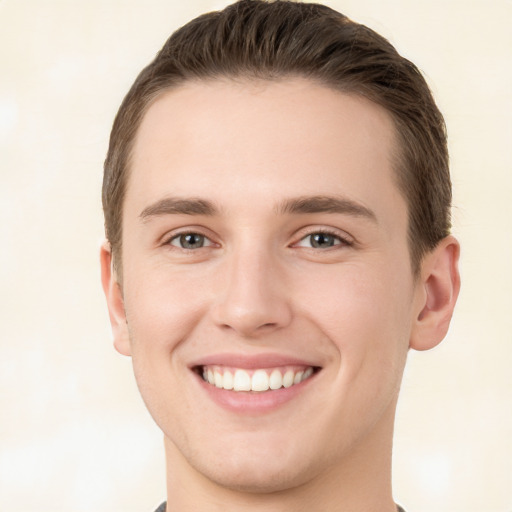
(326, 204)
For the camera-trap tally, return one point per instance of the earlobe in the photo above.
(439, 289)
(115, 303)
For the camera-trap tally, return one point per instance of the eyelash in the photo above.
(339, 240)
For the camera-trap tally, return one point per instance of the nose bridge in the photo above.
(252, 296)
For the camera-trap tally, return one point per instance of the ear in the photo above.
(438, 290)
(115, 303)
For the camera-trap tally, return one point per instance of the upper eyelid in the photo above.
(175, 233)
(341, 242)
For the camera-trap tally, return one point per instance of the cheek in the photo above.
(161, 313)
(352, 297)
(364, 314)
(162, 309)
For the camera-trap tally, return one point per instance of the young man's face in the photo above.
(264, 236)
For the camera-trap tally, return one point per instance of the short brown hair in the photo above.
(279, 39)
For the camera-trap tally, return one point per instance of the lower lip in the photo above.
(247, 402)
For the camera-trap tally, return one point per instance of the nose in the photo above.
(252, 298)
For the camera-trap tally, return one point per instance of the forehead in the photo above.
(292, 136)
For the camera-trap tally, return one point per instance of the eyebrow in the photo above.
(299, 205)
(179, 206)
(326, 204)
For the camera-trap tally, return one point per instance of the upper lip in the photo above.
(250, 362)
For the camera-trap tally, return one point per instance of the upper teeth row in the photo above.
(241, 380)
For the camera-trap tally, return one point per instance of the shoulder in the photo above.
(162, 507)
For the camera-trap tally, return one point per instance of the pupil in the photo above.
(191, 241)
(322, 240)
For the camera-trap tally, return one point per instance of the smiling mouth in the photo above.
(256, 380)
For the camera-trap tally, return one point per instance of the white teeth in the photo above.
(276, 380)
(307, 373)
(228, 380)
(298, 377)
(260, 381)
(242, 381)
(288, 379)
(218, 379)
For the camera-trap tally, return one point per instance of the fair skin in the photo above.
(263, 233)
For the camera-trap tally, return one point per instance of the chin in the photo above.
(257, 478)
(257, 468)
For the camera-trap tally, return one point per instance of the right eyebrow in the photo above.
(178, 206)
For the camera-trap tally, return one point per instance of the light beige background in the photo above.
(74, 435)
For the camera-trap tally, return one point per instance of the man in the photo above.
(277, 209)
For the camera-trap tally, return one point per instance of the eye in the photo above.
(190, 241)
(321, 240)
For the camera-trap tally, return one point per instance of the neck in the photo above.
(361, 482)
